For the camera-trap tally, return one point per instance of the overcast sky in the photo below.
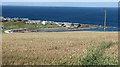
(66, 3)
(60, 0)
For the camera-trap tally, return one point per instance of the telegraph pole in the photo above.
(105, 21)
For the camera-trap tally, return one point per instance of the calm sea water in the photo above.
(87, 15)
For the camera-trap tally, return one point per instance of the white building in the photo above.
(58, 23)
(67, 24)
(33, 22)
(25, 19)
(44, 22)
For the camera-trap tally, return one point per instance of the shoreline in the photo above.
(27, 25)
(25, 30)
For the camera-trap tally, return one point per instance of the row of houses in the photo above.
(37, 22)
(27, 21)
(2, 19)
(64, 24)
(67, 24)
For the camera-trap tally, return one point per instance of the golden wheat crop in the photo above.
(51, 47)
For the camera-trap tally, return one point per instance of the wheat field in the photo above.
(56, 48)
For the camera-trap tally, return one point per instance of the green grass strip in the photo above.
(95, 55)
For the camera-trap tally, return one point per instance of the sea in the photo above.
(83, 15)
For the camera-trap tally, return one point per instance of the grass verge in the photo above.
(95, 55)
